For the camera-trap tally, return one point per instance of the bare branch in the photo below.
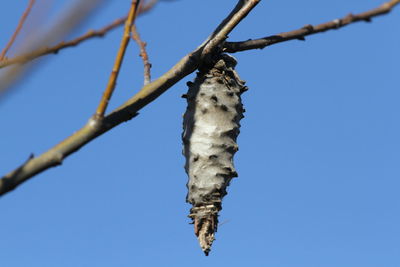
(95, 127)
(18, 29)
(74, 42)
(143, 54)
(118, 60)
(232, 47)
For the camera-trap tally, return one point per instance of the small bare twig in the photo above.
(18, 29)
(232, 47)
(74, 42)
(143, 54)
(94, 128)
(118, 60)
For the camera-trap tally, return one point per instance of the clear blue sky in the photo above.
(319, 150)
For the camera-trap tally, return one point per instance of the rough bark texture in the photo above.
(211, 126)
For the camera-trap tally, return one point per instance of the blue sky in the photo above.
(318, 158)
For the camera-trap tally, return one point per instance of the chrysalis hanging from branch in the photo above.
(211, 125)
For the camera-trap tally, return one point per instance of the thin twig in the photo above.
(18, 29)
(232, 47)
(94, 127)
(118, 60)
(74, 42)
(143, 54)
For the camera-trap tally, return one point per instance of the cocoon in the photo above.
(210, 127)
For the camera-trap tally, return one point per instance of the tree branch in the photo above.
(232, 47)
(118, 60)
(18, 29)
(96, 127)
(74, 42)
(143, 54)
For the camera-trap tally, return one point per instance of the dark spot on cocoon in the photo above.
(184, 96)
(224, 146)
(232, 149)
(206, 198)
(228, 169)
(224, 108)
(202, 94)
(230, 94)
(222, 175)
(204, 111)
(213, 157)
(231, 133)
(220, 81)
(195, 159)
(240, 116)
(229, 72)
(214, 98)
